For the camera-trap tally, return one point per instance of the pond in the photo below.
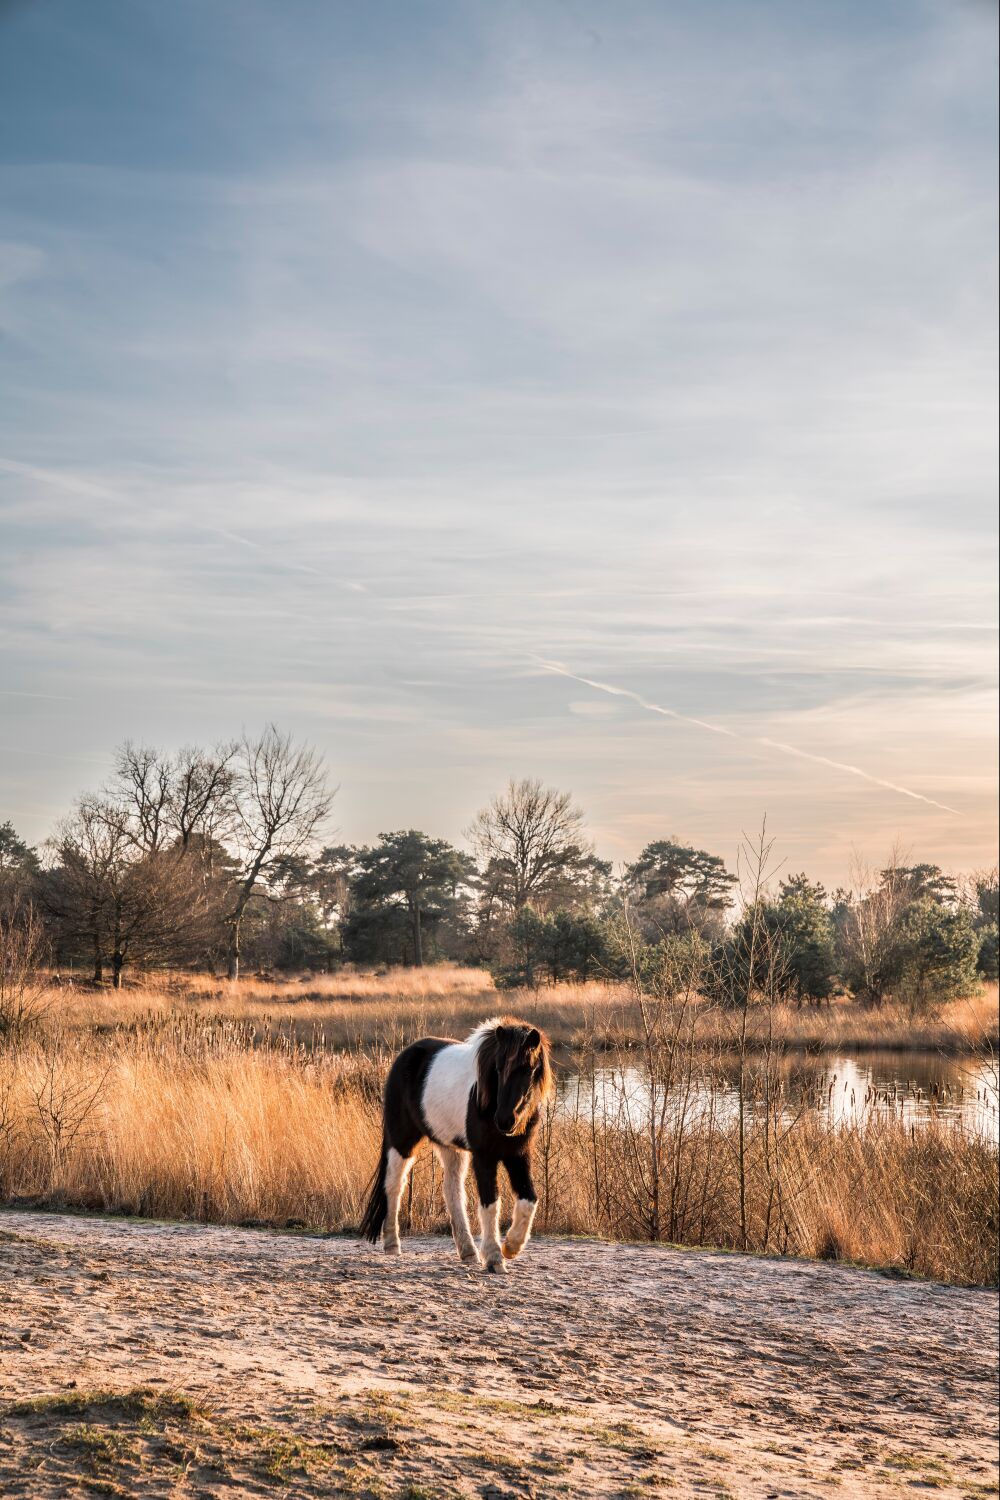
(913, 1087)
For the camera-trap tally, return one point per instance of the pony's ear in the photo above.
(534, 1039)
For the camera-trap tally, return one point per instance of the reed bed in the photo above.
(199, 1120)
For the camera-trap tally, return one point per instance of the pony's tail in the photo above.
(377, 1211)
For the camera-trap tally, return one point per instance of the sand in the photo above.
(148, 1359)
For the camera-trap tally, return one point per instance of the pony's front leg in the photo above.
(525, 1203)
(397, 1170)
(489, 1212)
(454, 1165)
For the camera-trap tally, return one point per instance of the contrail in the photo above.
(49, 697)
(76, 485)
(62, 480)
(244, 541)
(755, 739)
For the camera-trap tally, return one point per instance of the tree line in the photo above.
(216, 858)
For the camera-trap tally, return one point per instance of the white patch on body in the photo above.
(450, 1080)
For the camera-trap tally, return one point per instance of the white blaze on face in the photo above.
(450, 1079)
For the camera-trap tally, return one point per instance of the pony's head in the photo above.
(513, 1073)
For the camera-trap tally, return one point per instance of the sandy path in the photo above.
(318, 1366)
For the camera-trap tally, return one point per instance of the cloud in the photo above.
(666, 343)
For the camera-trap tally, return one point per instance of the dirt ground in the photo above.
(146, 1359)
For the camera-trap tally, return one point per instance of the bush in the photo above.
(802, 927)
(937, 955)
(565, 945)
(22, 949)
(988, 962)
(674, 966)
(782, 950)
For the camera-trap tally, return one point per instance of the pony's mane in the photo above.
(486, 1028)
(486, 1031)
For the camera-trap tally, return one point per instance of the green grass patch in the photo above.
(138, 1402)
(98, 1445)
(283, 1455)
(471, 1402)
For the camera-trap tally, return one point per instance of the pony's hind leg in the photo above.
(396, 1172)
(454, 1165)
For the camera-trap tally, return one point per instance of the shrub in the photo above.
(565, 945)
(783, 950)
(22, 948)
(674, 966)
(988, 961)
(803, 927)
(936, 956)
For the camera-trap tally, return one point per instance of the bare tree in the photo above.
(157, 906)
(127, 902)
(22, 948)
(869, 926)
(200, 790)
(168, 800)
(531, 840)
(279, 802)
(76, 893)
(141, 787)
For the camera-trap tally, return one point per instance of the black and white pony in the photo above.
(480, 1099)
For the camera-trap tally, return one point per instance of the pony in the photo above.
(477, 1100)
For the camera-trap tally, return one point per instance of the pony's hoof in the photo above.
(511, 1252)
(471, 1258)
(392, 1250)
(496, 1264)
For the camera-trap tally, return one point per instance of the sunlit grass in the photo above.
(351, 1010)
(179, 1124)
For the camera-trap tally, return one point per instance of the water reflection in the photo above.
(914, 1088)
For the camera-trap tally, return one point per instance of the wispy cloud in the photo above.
(543, 325)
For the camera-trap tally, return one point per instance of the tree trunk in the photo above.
(117, 952)
(98, 961)
(236, 917)
(418, 942)
(233, 968)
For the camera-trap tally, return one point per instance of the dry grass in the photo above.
(220, 1134)
(189, 1123)
(370, 1011)
(190, 1097)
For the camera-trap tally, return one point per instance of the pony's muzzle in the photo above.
(504, 1123)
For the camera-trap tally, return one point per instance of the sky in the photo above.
(458, 385)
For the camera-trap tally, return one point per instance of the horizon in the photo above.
(863, 865)
(483, 395)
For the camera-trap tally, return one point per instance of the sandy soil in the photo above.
(150, 1359)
